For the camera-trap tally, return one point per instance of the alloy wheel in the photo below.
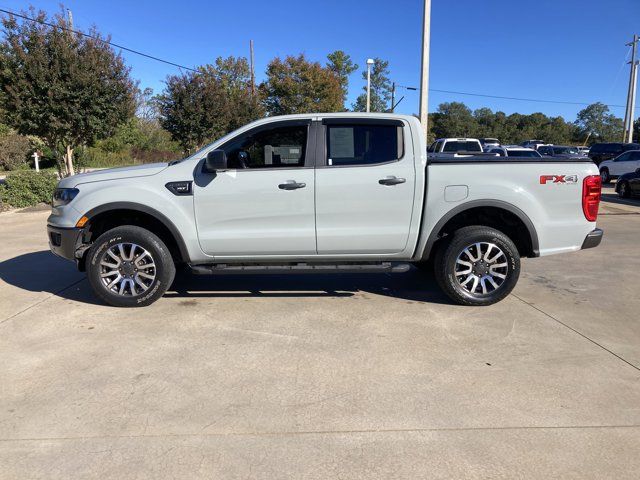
(127, 269)
(481, 268)
(623, 189)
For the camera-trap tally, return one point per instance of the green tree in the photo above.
(66, 88)
(454, 119)
(557, 131)
(296, 85)
(14, 151)
(342, 66)
(198, 107)
(380, 88)
(603, 126)
(485, 121)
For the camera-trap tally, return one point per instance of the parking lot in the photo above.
(327, 376)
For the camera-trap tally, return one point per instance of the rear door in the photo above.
(365, 183)
(635, 164)
(621, 164)
(263, 204)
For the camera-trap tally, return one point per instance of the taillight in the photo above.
(591, 187)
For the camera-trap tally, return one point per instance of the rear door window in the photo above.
(368, 144)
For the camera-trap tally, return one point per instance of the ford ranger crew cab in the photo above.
(344, 192)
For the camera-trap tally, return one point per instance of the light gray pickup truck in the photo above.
(340, 192)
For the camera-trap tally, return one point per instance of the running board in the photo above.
(300, 267)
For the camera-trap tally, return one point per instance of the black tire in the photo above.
(604, 175)
(164, 269)
(623, 189)
(466, 238)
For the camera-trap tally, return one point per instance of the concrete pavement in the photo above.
(353, 376)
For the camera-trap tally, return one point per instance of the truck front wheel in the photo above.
(129, 266)
(477, 266)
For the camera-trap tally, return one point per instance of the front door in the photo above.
(364, 187)
(263, 204)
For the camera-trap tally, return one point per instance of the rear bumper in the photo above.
(64, 241)
(593, 238)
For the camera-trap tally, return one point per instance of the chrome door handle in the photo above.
(391, 180)
(291, 185)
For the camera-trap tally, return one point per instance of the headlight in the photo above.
(62, 196)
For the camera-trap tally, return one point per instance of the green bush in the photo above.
(28, 188)
(14, 151)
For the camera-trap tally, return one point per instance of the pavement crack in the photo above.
(318, 432)
(578, 332)
(54, 294)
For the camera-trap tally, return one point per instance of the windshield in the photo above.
(461, 147)
(523, 153)
(565, 150)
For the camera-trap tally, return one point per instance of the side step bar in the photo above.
(300, 267)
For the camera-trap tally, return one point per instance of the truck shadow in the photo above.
(413, 286)
(44, 272)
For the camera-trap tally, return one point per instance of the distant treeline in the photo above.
(594, 123)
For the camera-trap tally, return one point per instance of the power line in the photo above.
(131, 50)
(518, 98)
(158, 59)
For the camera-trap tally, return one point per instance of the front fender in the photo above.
(150, 197)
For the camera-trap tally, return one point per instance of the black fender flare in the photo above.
(184, 253)
(433, 235)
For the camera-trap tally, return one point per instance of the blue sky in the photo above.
(570, 50)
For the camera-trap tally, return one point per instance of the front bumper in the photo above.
(593, 238)
(64, 241)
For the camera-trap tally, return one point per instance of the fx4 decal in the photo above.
(544, 179)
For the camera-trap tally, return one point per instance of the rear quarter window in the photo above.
(452, 147)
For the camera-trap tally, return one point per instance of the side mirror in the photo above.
(637, 170)
(216, 160)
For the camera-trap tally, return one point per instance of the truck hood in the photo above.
(112, 174)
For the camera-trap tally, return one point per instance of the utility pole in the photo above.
(424, 75)
(394, 104)
(632, 107)
(369, 63)
(69, 154)
(631, 93)
(253, 74)
(393, 96)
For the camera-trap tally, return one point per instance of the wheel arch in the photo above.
(487, 212)
(118, 213)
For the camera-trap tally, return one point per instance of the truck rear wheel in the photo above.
(478, 266)
(129, 266)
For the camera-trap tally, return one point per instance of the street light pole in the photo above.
(424, 76)
(369, 63)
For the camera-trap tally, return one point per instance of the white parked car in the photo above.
(583, 150)
(627, 162)
(515, 151)
(454, 147)
(488, 143)
(533, 144)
